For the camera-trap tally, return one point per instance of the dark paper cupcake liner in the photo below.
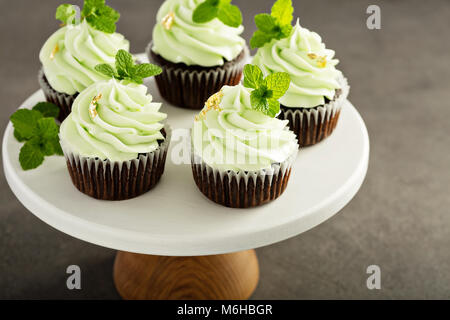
(190, 86)
(62, 100)
(312, 125)
(112, 180)
(243, 189)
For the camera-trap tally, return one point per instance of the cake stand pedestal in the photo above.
(173, 242)
(222, 277)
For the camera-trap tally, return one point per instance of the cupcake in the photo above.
(114, 142)
(199, 53)
(317, 93)
(242, 155)
(70, 55)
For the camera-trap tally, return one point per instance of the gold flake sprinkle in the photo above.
(54, 52)
(168, 20)
(93, 106)
(322, 62)
(213, 103)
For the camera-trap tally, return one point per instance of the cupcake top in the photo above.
(178, 39)
(299, 52)
(231, 134)
(115, 119)
(70, 55)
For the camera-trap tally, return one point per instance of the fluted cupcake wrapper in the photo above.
(62, 100)
(117, 180)
(188, 87)
(312, 125)
(241, 189)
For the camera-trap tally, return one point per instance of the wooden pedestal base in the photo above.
(224, 276)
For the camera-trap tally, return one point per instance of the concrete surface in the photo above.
(400, 219)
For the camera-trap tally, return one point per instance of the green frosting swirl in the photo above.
(237, 137)
(203, 44)
(125, 122)
(70, 67)
(310, 65)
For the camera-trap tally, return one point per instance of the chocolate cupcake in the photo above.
(312, 125)
(241, 157)
(113, 140)
(70, 55)
(318, 90)
(197, 58)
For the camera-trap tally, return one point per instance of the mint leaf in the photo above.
(106, 69)
(126, 69)
(96, 13)
(278, 83)
(46, 128)
(283, 11)
(277, 25)
(46, 148)
(91, 5)
(266, 91)
(146, 70)
(253, 76)
(258, 102)
(37, 127)
(100, 16)
(30, 155)
(66, 14)
(260, 38)
(18, 136)
(51, 147)
(108, 13)
(274, 107)
(47, 109)
(105, 20)
(102, 24)
(230, 15)
(265, 22)
(124, 63)
(57, 146)
(24, 122)
(205, 12)
(285, 31)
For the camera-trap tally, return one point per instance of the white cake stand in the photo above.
(173, 241)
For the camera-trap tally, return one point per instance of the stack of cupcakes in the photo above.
(245, 139)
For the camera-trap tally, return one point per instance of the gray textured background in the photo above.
(400, 219)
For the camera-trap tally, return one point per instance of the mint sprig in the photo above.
(100, 16)
(277, 25)
(267, 90)
(226, 12)
(47, 109)
(96, 13)
(126, 69)
(66, 13)
(38, 129)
